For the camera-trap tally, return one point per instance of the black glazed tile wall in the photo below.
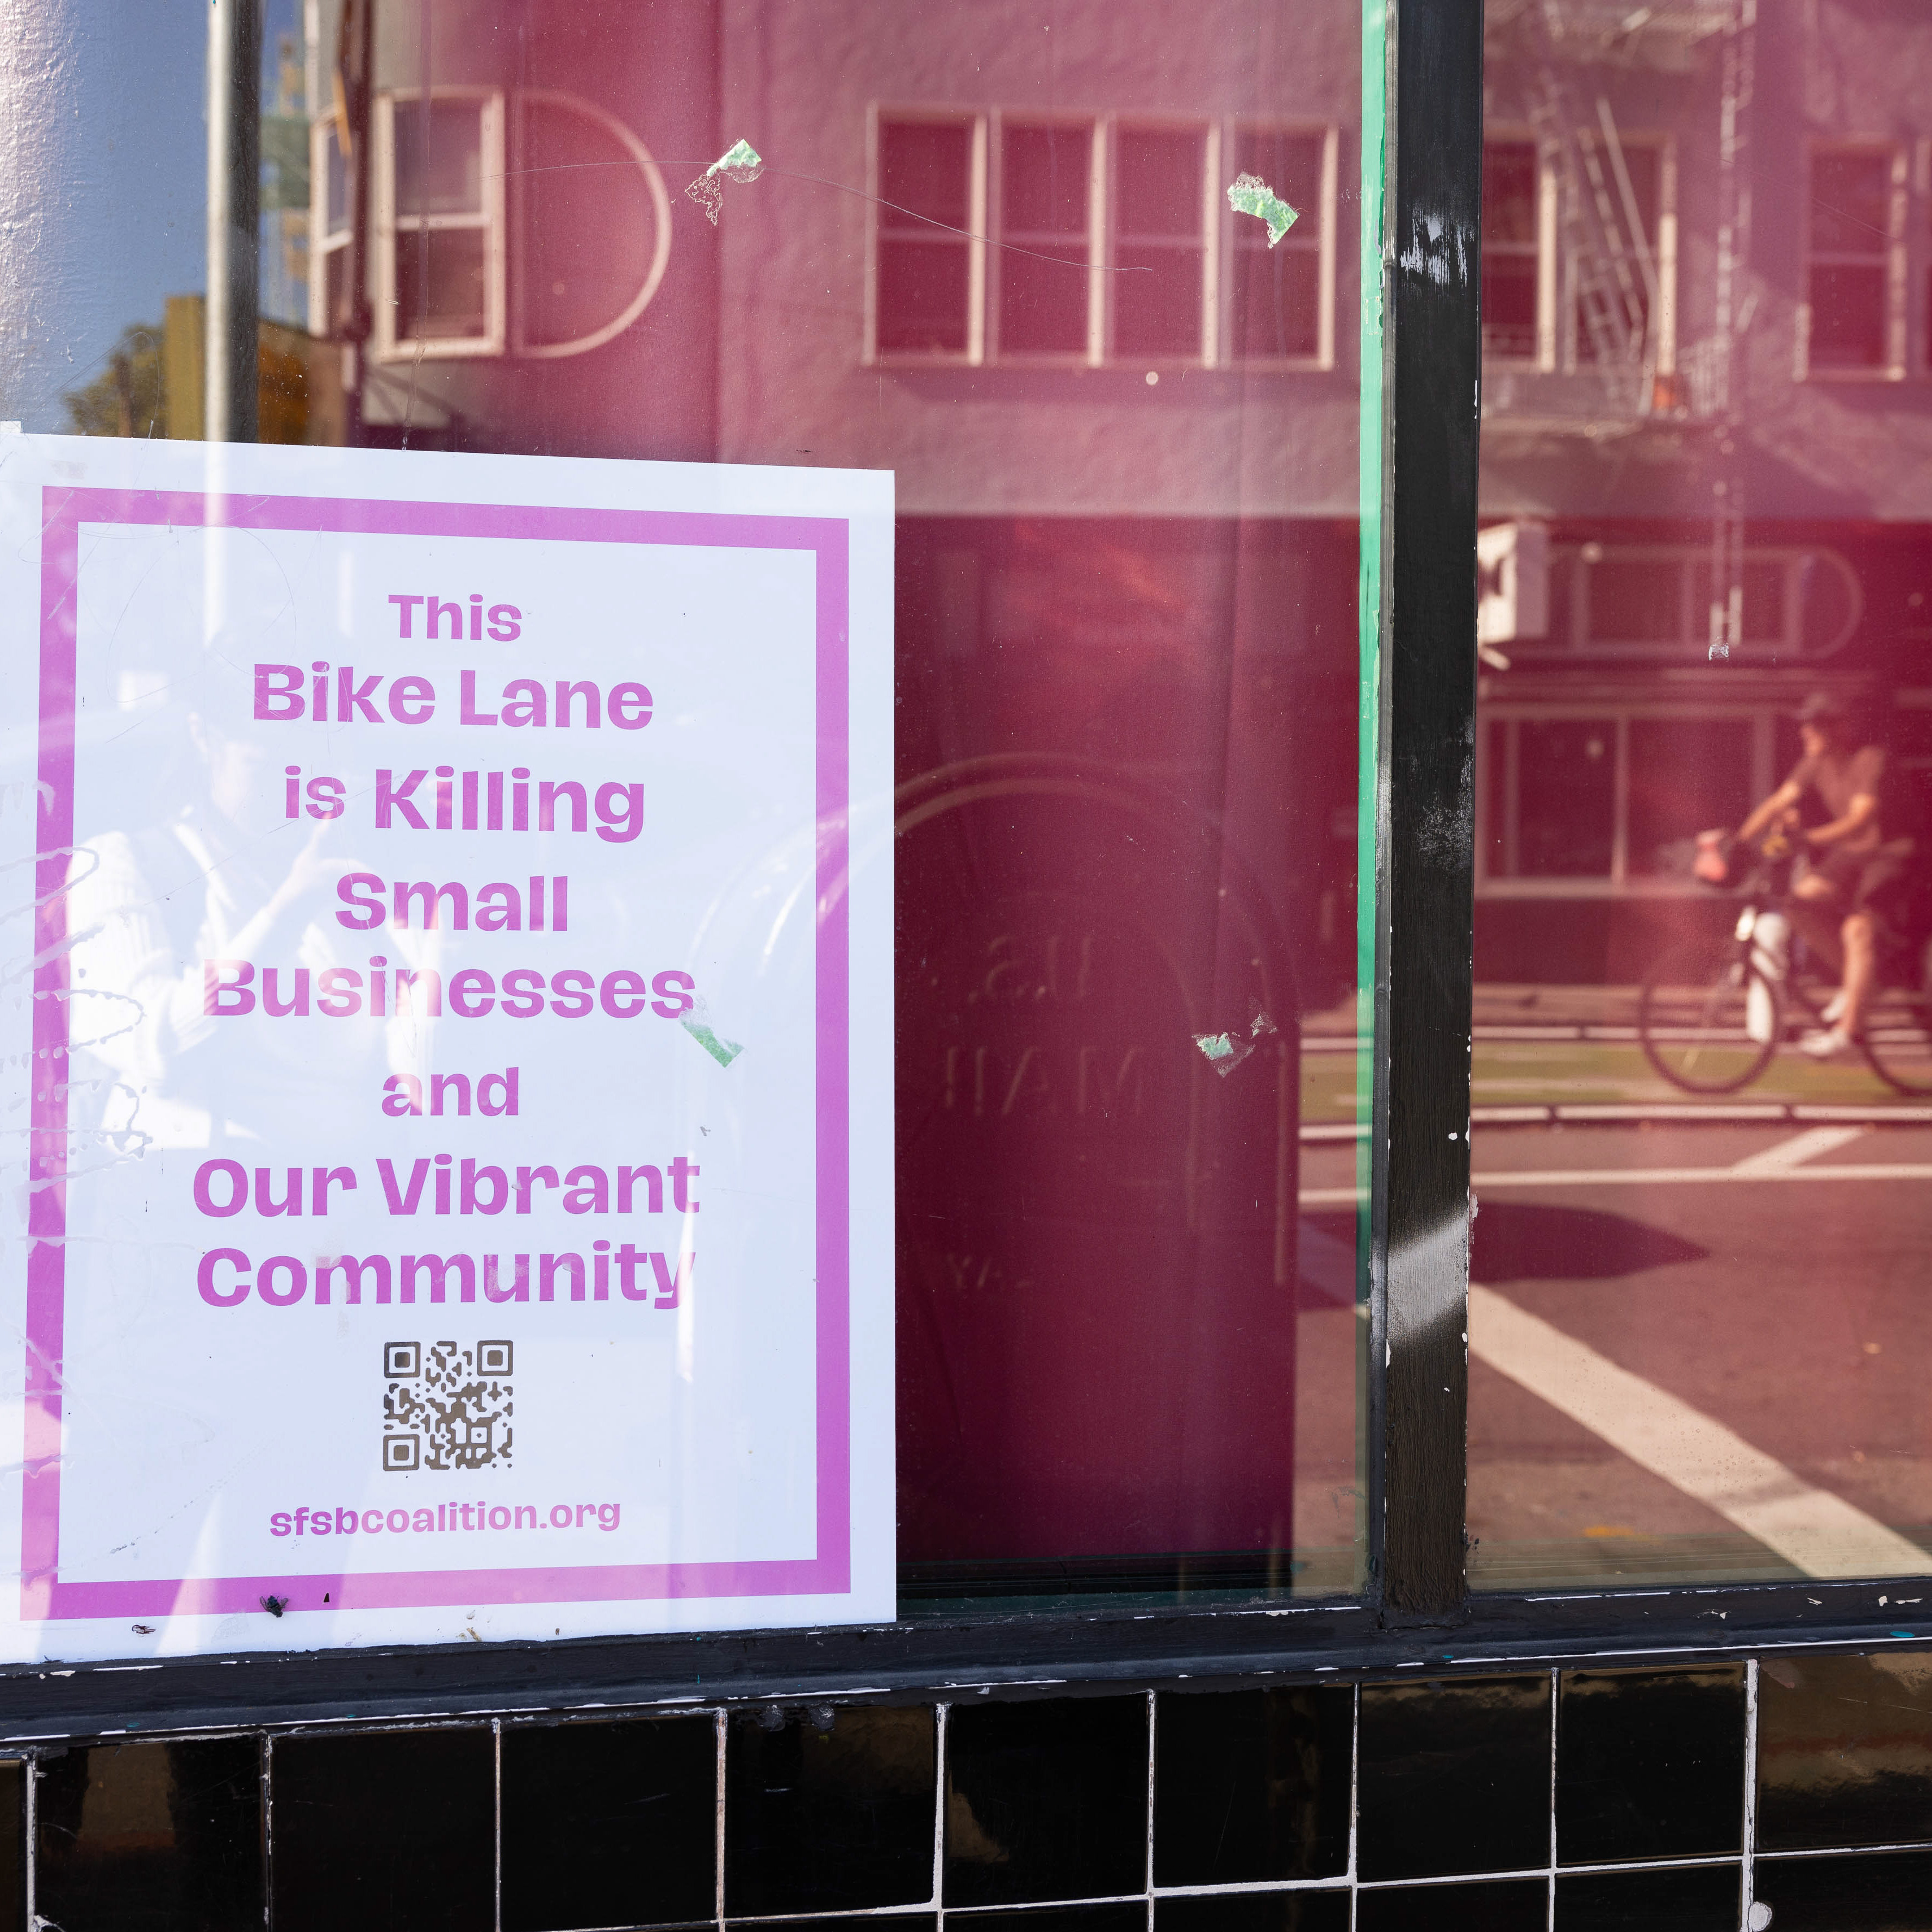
(609, 1824)
(1498, 1905)
(13, 1845)
(829, 1809)
(1256, 1912)
(389, 1832)
(1046, 1800)
(1879, 1891)
(1252, 1784)
(1691, 1898)
(1455, 1777)
(166, 1837)
(1844, 1751)
(1121, 1918)
(1587, 1802)
(1650, 1764)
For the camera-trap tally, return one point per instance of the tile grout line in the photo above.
(1747, 1905)
(719, 1722)
(1555, 1699)
(1839, 1851)
(32, 1860)
(941, 1712)
(266, 1775)
(1614, 1867)
(1153, 1719)
(1354, 1794)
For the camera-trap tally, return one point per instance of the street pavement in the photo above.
(1699, 1351)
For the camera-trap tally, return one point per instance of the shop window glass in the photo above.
(1701, 1061)
(1129, 1102)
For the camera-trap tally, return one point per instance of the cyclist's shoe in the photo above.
(1760, 1012)
(1833, 1044)
(1834, 1008)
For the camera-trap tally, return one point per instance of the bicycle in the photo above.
(1715, 1010)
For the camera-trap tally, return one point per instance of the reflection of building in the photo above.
(1737, 511)
(1123, 432)
(1700, 372)
(1057, 321)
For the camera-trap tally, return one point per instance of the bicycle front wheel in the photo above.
(1897, 1039)
(1708, 1020)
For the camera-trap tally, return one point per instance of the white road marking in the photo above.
(1816, 1533)
(1642, 1177)
(1786, 1155)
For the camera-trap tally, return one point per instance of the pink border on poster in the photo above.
(828, 1573)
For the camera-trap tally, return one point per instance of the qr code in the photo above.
(446, 1407)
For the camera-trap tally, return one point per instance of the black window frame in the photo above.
(1416, 1610)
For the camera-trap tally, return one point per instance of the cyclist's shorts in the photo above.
(1879, 882)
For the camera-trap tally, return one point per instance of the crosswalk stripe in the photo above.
(1817, 1533)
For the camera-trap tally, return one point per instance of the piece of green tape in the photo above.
(722, 1051)
(1249, 194)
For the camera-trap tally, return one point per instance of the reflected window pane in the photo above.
(1848, 315)
(1686, 775)
(1511, 271)
(440, 286)
(1636, 600)
(922, 290)
(1566, 791)
(1849, 276)
(439, 167)
(1043, 268)
(925, 270)
(1277, 290)
(336, 181)
(924, 169)
(1159, 255)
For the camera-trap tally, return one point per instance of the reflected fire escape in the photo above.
(1618, 290)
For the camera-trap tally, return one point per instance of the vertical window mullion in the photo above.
(1325, 278)
(1898, 202)
(382, 220)
(1100, 255)
(1666, 333)
(978, 213)
(1211, 229)
(1548, 265)
(1424, 904)
(1620, 803)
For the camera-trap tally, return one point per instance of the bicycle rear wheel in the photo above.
(1708, 1020)
(1897, 1039)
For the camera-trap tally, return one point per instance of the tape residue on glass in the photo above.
(1249, 194)
(1225, 1052)
(741, 162)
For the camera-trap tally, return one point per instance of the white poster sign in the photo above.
(448, 1047)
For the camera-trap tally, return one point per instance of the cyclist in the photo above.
(1847, 900)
